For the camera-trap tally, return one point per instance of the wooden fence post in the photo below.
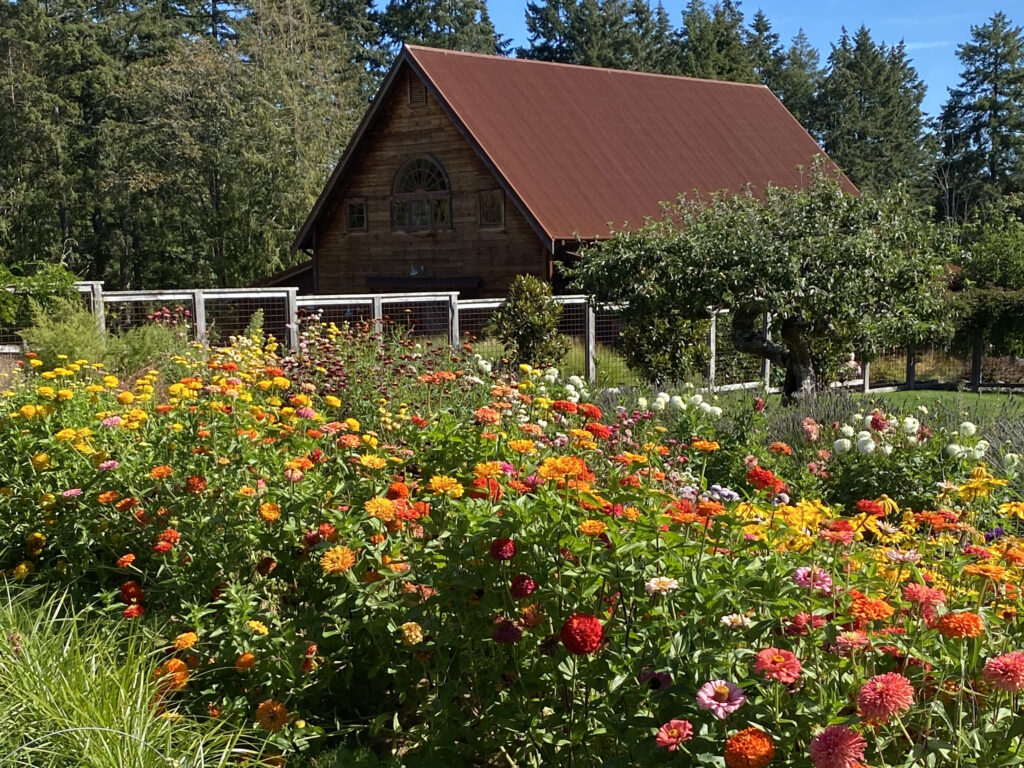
(712, 344)
(377, 313)
(98, 310)
(911, 365)
(766, 364)
(292, 298)
(590, 343)
(199, 314)
(976, 358)
(454, 337)
(865, 370)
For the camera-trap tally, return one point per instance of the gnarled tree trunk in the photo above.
(793, 354)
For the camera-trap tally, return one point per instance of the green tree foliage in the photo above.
(713, 43)
(837, 272)
(982, 123)
(148, 145)
(527, 323)
(869, 114)
(798, 80)
(766, 53)
(458, 25)
(600, 33)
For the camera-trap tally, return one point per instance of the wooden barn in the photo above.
(467, 170)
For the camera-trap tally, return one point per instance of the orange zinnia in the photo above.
(866, 609)
(961, 625)
(272, 715)
(270, 512)
(160, 472)
(750, 748)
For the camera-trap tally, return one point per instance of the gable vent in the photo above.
(417, 91)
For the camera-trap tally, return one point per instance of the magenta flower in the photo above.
(837, 747)
(71, 493)
(108, 465)
(721, 697)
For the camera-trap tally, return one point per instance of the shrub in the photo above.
(527, 324)
(64, 329)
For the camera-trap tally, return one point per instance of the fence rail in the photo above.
(596, 354)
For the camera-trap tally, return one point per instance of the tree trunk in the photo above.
(794, 354)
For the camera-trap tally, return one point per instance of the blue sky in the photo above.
(931, 28)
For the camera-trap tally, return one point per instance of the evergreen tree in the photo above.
(798, 80)
(766, 53)
(357, 21)
(458, 25)
(982, 123)
(594, 33)
(869, 110)
(712, 43)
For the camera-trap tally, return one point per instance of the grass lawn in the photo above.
(966, 403)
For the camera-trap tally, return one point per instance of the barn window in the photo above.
(421, 197)
(417, 91)
(355, 214)
(492, 209)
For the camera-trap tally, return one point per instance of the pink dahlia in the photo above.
(1006, 672)
(673, 733)
(777, 664)
(837, 747)
(884, 696)
(721, 697)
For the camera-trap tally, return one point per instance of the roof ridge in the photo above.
(611, 70)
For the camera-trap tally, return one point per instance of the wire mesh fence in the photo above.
(598, 351)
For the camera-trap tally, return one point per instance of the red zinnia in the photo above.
(503, 549)
(837, 747)
(599, 431)
(764, 480)
(1006, 672)
(134, 611)
(522, 586)
(883, 697)
(869, 507)
(195, 484)
(131, 593)
(777, 664)
(591, 411)
(486, 488)
(581, 634)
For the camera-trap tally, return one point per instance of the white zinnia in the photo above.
(842, 445)
(676, 403)
(953, 450)
(735, 620)
(866, 445)
(661, 585)
(847, 431)
(911, 425)
(696, 400)
(967, 429)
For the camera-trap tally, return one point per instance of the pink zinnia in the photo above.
(837, 747)
(71, 493)
(777, 664)
(850, 641)
(721, 697)
(1006, 672)
(673, 733)
(108, 465)
(883, 697)
(815, 578)
(503, 549)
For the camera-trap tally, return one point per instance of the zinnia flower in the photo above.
(582, 634)
(185, 640)
(1006, 672)
(337, 560)
(522, 586)
(673, 733)
(777, 664)
(961, 625)
(814, 578)
(272, 715)
(503, 549)
(245, 662)
(750, 748)
(412, 633)
(837, 747)
(721, 697)
(883, 697)
(661, 585)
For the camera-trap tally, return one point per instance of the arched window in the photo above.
(421, 197)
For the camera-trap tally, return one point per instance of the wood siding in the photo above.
(380, 260)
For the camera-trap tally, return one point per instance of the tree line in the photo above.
(181, 143)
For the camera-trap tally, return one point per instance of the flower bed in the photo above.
(394, 545)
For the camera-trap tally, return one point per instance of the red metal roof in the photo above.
(583, 147)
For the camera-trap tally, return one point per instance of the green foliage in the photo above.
(77, 690)
(44, 285)
(527, 323)
(462, 25)
(869, 115)
(853, 272)
(980, 126)
(64, 330)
